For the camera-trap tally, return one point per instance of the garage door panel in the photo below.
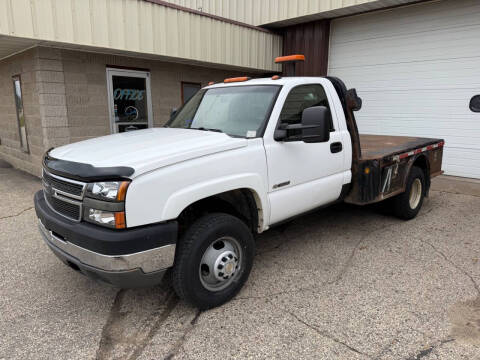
(394, 51)
(409, 19)
(432, 37)
(427, 69)
(455, 166)
(416, 69)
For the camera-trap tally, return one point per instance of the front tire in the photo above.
(213, 260)
(407, 205)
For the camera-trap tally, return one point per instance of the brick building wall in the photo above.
(66, 99)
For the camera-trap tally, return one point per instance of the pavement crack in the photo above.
(425, 352)
(325, 334)
(17, 214)
(388, 346)
(106, 340)
(172, 302)
(349, 261)
(180, 342)
(447, 259)
(110, 337)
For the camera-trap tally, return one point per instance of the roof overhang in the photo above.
(361, 6)
(136, 28)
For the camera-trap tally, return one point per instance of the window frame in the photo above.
(279, 121)
(127, 72)
(182, 94)
(266, 121)
(23, 144)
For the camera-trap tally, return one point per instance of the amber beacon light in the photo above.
(289, 62)
(236, 79)
(289, 58)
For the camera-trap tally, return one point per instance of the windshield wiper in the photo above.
(207, 129)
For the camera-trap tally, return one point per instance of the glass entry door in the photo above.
(129, 98)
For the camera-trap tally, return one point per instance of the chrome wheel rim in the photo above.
(220, 264)
(415, 193)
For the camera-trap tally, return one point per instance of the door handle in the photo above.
(336, 147)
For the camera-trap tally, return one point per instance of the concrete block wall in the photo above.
(86, 88)
(66, 99)
(28, 66)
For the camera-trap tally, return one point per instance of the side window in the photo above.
(188, 90)
(301, 98)
(22, 126)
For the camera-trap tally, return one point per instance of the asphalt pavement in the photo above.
(345, 282)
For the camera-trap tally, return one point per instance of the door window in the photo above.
(130, 104)
(188, 90)
(301, 98)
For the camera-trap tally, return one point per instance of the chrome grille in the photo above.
(63, 195)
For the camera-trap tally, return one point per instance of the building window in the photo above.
(188, 90)
(22, 126)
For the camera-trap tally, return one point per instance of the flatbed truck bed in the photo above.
(385, 162)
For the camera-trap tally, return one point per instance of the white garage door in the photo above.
(416, 69)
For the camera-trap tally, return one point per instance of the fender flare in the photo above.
(180, 200)
(411, 162)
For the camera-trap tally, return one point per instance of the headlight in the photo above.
(104, 203)
(108, 190)
(111, 219)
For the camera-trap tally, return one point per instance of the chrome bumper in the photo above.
(148, 261)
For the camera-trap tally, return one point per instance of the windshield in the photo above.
(236, 110)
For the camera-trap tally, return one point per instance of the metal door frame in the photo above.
(128, 73)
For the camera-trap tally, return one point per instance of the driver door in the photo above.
(303, 176)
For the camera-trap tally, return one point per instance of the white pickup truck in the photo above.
(236, 159)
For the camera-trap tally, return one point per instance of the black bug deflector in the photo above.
(85, 172)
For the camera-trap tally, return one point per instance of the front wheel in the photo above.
(213, 260)
(407, 205)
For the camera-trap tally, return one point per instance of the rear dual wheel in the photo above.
(213, 260)
(407, 205)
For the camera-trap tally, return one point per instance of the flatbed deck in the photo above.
(381, 146)
(383, 167)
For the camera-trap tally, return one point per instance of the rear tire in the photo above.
(213, 260)
(407, 205)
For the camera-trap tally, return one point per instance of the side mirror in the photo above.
(173, 112)
(475, 103)
(315, 127)
(316, 124)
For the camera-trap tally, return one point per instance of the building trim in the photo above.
(215, 17)
(19, 52)
(386, 8)
(120, 67)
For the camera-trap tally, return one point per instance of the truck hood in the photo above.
(149, 149)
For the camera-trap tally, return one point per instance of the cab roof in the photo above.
(294, 80)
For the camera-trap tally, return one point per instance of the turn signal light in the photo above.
(122, 190)
(120, 220)
(236, 79)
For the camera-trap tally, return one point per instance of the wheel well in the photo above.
(422, 162)
(241, 203)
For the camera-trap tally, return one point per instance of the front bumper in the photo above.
(92, 251)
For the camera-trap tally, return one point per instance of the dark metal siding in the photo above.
(310, 39)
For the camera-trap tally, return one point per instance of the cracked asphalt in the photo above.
(342, 283)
